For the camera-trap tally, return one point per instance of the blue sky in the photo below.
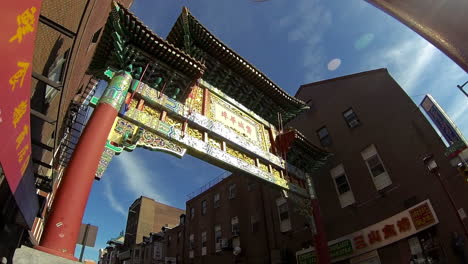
(293, 42)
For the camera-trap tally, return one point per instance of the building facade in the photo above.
(66, 36)
(244, 220)
(147, 216)
(380, 202)
(239, 219)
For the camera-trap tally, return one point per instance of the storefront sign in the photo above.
(19, 21)
(337, 250)
(445, 125)
(390, 230)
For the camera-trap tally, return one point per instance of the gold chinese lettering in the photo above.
(22, 153)
(21, 136)
(19, 112)
(25, 164)
(19, 75)
(25, 24)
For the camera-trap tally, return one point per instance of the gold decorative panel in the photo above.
(240, 155)
(174, 122)
(155, 113)
(263, 166)
(214, 142)
(195, 133)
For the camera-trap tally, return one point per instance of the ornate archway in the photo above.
(189, 93)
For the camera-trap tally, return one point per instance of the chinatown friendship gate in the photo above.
(187, 94)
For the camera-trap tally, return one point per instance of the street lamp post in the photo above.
(434, 169)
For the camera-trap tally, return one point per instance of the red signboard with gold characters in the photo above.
(19, 20)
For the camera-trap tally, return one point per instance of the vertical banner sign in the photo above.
(19, 20)
(445, 125)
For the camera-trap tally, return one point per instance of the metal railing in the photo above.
(209, 184)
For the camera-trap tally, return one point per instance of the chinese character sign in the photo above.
(19, 20)
(422, 216)
(392, 229)
(228, 117)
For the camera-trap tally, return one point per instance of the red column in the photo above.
(63, 225)
(320, 237)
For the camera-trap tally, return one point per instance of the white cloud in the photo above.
(306, 24)
(139, 180)
(112, 200)
(408, 60)
(461, 112)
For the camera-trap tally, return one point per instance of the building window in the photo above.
(216, 201)
(203, 207)
(232, 191)
(192, 212)
(376, 167)
(345, 195)
(203, 243)
(191, 241)
(179, 236)
(191, 245)
(56, 73)
(324, 137)
(169, 239)
(283, 211)
(254, 223)
(235, 227)
(217, 237)
(250, 185)
(203, 239)
(351, 118)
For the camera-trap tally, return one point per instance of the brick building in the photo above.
(244, 220)
(147, 216)
(66, 36)
(379, 138)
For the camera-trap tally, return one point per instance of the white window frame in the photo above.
(253, 221)
(216, 200)
(285, 224)
(382, 180)
(355, 122)
(203, 240)
(192, 212)
(191, 242)
(217, 240)
(232, 191)
(346, 198)
(204, 207)
(234, 222)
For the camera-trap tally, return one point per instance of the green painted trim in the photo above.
(94, 101)
(112, 147)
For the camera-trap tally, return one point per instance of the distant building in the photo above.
(244, 220)
(239, 219)
(379, 201)
(147, 216)
(114, 252)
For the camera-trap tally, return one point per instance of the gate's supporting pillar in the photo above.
(320, 238)
(63, 225)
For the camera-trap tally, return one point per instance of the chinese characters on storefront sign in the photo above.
(399, 226)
